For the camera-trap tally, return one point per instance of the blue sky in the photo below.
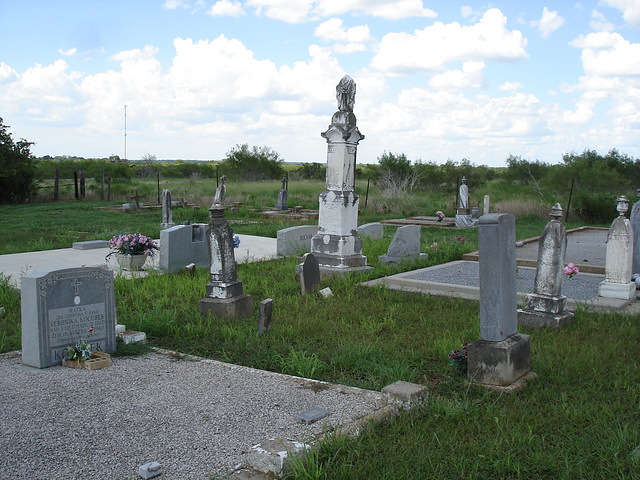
(435, 80)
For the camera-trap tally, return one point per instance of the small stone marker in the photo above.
(282, 196)
(619, 258)
(264, 319)
(405, 395)
(167, 214)
(545, 306)
(372, 230)
(502, 355)
(90, 244)
(485, 208)
(274, 456)
(312, 415)
(464, 218)
(404, 247)
(309, 274)
(150, 470)
(60, 307)
(326, 292)
(136, 198)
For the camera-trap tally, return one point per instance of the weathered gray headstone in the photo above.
(619, 257)
(634, 218)
(464, 217)
(60, 307)
(225, 296)
(295, 240)
(337, 246)
(221, 191)
(167, 214)
(501, 355)
(404, 247)
(485, 208)
(372, 230)
(264, 318)
(545, 306)
(282, 196)
(309, 274)
(183, 244)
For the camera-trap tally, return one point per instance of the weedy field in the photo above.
(579, 419)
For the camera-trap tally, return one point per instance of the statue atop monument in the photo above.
(346, 94)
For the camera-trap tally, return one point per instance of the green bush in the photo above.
(594, 207)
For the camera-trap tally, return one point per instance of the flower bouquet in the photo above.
(132, 249)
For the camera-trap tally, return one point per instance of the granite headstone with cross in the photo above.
(60, 307)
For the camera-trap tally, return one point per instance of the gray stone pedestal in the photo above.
(235, 307)
(544, 311)
(499, 362)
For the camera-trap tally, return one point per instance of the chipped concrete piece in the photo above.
(120, 328)
(274, 455)
(405, 395)
(326, 292)
(150, 470)
(131, 336)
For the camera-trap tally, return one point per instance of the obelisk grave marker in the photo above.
(60, 307)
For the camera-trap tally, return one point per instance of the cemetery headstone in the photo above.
(372, 230)
(167, 214)
(309, 274)
(221, 191)
(546, 305)
(337, 246)
(619, 257)
(60, 307)
(136, 199)
(295, 240)
(404, 247)
(264, 318)
(225, 296)
(184, 244)
(282, 196)
(485, 208)
(464, 217)
(634, 218)
(502, 355)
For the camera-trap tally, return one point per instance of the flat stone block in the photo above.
(406, 395)
(274, 455)
(131, 336)
(624, 291)
(409, 259)
(535, 319)
(312, 415)
(150, 470)
(546, 303)
(236, 307)
(120, 328)
(499, 362)
(91, 244)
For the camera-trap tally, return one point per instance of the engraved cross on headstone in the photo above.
(76, 283)
(136, 198)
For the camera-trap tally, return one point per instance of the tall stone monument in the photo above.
(225, 296)
(545, 306)
(167, 214)
(634, 218)
(502, 355)
(282, 196)
(619, 257)
(464, 219)
(337, 246)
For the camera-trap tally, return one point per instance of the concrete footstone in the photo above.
(275, 455)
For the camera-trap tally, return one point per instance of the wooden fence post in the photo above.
(56, 185)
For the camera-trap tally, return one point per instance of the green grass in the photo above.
(580, 419)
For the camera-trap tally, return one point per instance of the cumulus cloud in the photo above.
(606, 54)
(222, 8)
(333, 30)
(630, 10)
(431, 48)
(510, 86)
(599, 22)
(469, 77)
(68, 53)
(291, 11)
(548, 23)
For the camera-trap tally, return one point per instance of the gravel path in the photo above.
(198, 418)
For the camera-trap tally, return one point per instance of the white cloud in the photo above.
(291, 11)
(7, 73)
(548, 23)
(68, 53)
(466, 11)
(599, 22)
(469, 77)
(388, 9)
(136, 54)
(173, 4)
(333, 30)
(630, 10)
(431, 48)
(231, 8)
(510, 86)
(605, 54)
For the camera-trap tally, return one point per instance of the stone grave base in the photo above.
(535, 319)
(625, 291)
(411, 259)
(499, 362)
(236, 307)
